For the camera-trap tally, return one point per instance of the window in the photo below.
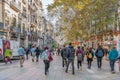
(13, 22)
(23, 28)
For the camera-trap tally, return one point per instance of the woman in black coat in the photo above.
(90, 56)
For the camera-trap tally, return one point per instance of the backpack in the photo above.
(70, 53)
(72, 50)
(90, 56)
(79, 57)
(100, 53)
(50, 57)
(64, 53)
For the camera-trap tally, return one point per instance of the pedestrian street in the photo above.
(35, 71)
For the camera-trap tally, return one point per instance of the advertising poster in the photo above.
(1, 47)
(14, 46)
(6, 44)
(118, 45)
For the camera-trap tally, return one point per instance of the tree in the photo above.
(78, 16)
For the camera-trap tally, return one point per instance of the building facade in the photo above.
(21, 20)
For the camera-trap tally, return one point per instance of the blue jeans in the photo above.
(99, 62)
(112, 64)
(72, 62)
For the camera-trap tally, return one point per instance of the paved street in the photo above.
(35, 71)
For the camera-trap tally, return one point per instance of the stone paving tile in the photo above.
(35, 71)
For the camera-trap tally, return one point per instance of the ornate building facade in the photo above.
(21, 20)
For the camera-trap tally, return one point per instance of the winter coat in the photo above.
(37, 51)
(63, 53)
(28, 51)
(70, 53)
(113, 54)
(96, 53)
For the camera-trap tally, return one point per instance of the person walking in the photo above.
(79, 55)
(99, 54)
(58, 51)
(70, 57)
(106, 53)
(47, 57)
(8, 55)
(90, 56)
(21, 53)
(83, 53)
(33, 53)
(64, 55)
(113, 55)
(37, 54)
(28, 52)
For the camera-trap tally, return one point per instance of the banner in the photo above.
(14, 45)
(1, 47)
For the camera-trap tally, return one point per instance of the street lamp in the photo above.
(43, 34)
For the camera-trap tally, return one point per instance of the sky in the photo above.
(45, 4)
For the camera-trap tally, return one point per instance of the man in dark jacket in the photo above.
(99, 54)
(37, 53)
(70, 57)
(64, 55)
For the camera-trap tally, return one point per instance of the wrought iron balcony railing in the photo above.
(15, 6)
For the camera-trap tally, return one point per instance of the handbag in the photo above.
(50, 57)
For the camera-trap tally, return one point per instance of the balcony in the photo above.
(14, 6)
(7, 1)
(22, 36)
(13, 29)
(14, 36)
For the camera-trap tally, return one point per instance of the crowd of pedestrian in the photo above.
(36, 52)
(68, 54)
